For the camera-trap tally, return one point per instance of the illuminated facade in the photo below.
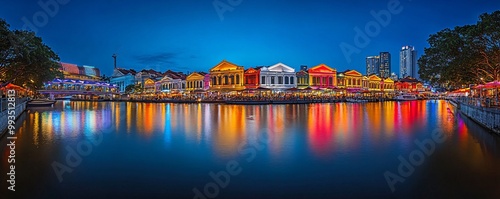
(322, 76)
(197, 81)
(388, 85)
(252, 77)
(351, 79)
(78, 80)
(278, 77)
(122, 78)
(409, 84)
(302, 79)
(374, 83)
(171, 82)
(227, 76)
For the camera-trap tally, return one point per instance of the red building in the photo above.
(251, 78)
(409, 84)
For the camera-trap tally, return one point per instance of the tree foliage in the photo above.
(133, 88)
(464, 55)
(24, 58)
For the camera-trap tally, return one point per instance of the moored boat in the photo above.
(40, 103)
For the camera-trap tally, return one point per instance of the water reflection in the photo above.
(315, 142)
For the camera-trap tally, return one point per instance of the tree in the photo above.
(25, 59)
(464, 55)
(133, 88)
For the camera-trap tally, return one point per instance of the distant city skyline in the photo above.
(194, 36)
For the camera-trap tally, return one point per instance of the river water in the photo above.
(417, 149)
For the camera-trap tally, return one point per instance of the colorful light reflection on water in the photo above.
(328, 150)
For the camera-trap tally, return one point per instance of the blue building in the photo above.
(122, 78)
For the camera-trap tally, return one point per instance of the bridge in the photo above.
(81, 88)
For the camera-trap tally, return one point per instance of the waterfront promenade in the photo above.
(8, 109)
(485, 111)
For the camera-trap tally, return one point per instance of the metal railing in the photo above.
(4, 103)
(480, 102)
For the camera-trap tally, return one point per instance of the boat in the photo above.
(406, 97)
(40, 103)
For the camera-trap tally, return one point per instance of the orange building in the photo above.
(322, 76)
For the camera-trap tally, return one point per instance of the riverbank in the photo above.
(9, 109)
(249, 102)
(488, 117)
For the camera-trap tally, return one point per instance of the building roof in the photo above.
(409, 79)
(126, 72)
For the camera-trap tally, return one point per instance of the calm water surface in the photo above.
(342, 150)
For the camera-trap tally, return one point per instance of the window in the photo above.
(292, 80)
(237, 79)
(287, 81)
(263, 80)
(280, 80)
(226, 80)
(272, 79)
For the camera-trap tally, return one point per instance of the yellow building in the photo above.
(374, 83)
(196, 81)
(388, 85)
(350, 79)
(227, 77)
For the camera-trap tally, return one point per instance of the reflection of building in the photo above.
(302, 78)
(322, 76)
(408, 62)
(252, 77)
(278, 76)
(122, 78)
(226, 76)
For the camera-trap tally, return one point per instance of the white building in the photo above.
(122, 78)
(278, 77)
(408, 62)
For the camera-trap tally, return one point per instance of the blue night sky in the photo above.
(189, 35)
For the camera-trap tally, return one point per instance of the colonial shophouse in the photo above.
(227, 76)
(198, 81)
(172, 82)
(409, 84)
(252, 77)
(302, 79)
(351, 80)
(278, 77)
(322, 76)
(122, 78)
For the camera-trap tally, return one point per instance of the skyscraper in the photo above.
(372, 65)
(408, 62)
(385, 64)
